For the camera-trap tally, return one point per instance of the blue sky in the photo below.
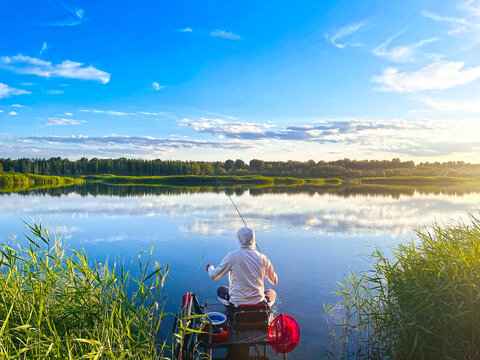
(211, 80)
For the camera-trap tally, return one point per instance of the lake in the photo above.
(313, 236)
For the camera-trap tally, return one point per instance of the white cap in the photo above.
(246, 237)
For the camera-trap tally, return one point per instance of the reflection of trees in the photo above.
(346, 191)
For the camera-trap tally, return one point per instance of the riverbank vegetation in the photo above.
(18, 182)
(423, 302)
(206, 180)
(344, 169)
(56, 304)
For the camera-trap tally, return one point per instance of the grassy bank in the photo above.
(7, 179)
(417, 180)
(56, 304)
(205, 180)
(14, 182)
(422, 303)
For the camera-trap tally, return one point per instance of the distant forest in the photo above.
(345, 169)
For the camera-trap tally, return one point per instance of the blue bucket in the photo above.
(216, 318)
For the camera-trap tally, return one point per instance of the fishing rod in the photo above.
(235, 206)
(239, 214)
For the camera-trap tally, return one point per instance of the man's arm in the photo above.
(216, 273)
(270, 272)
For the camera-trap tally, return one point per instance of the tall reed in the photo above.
(423, 302)
(55, 304)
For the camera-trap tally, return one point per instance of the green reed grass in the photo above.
(421, 303)
(56, 304)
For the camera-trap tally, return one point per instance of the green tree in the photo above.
(228, 165)
(239, 164)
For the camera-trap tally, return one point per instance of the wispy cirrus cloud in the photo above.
(7, 91)
(156, 86)
(63, 121)
(67, 69)
(76, 16)
(44, 48)
(215, 33)
(125, 113)
(54, 92)
(437, 76)
(225, 34)
(469, 24)
(107, 112)
(149, 113)
(400, 53)
(337, 36)
(472, 6)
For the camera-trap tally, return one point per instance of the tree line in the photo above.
(345, 168)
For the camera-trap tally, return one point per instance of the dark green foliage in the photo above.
(422, 303)
(343, 169)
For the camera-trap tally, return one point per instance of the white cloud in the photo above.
(7, 91)
(225, 35)
(458, 25)
(68, 114)
(63, 121)
(66, 69)
(108, 112)
(44, 48)
(77, 17)
(330, 131)
(54, 92)
(471, 6)
(152, 113)
(187, 29)
(437, 76)
(336, 37)
(402, 53)
(124, 113)
(12, 113)
(157, 86)
(17, 105)
(436, 17)
(143, 143)
(378, 138)
(452, 106)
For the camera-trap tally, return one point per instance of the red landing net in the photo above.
(284, 333)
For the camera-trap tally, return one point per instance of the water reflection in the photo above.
(312, 235)
(347, 190)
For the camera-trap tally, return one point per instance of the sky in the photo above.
(216, 80)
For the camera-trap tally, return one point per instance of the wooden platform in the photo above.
(242, 337)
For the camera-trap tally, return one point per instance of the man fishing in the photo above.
(246, 268)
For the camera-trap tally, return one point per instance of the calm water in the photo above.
(312, 237)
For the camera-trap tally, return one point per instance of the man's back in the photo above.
(246, 268)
